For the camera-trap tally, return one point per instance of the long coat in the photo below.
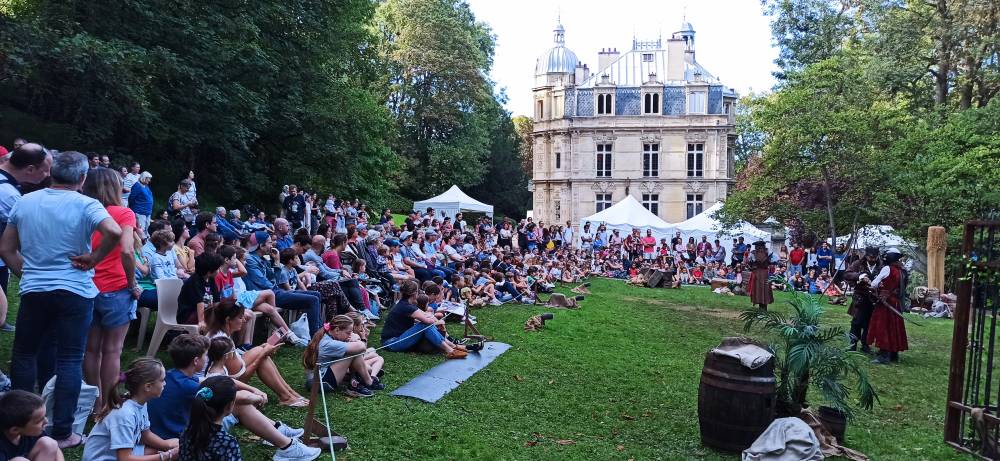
(760, 286)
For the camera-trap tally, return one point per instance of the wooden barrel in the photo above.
(735, 403)
(834, 421)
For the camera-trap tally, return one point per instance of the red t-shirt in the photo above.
(648, 243)
(795, 257)
(224, 282)
(332, 259)
(109, 275)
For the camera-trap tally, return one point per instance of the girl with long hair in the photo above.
(228, 319)
(205, 439)
(115, 277)
(122, 431)
(333, 342)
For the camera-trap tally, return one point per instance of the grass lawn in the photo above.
(617, 379)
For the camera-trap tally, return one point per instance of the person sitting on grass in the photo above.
(227, 320)
(171, 413)
(406, 325)
(205, 438)
(334, 342)
(123, 431)
(22, 423)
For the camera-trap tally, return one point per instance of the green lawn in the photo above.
(617, 379)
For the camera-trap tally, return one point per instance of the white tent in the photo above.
(705, 224)
(875, 235)
(626, 215)
(451, 202)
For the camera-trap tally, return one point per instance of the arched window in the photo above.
(604, 104)
(651, 103)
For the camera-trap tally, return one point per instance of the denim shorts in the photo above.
(247, 298)
(114, 309)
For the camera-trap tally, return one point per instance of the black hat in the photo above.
(871, 251)
(760, 244)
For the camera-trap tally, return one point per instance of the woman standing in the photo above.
(114, 276)
(506, 238)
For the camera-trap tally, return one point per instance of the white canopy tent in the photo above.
(875, 235)
(626, 215)
(705, 224)
(453, 201)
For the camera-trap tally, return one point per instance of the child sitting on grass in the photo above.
(171, 412)
(360, 333)
(22, 422)
(205, 438)
(333, 342)
(122, 431)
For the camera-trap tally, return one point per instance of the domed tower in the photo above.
(555, 69)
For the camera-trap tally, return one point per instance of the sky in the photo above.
(732, 37)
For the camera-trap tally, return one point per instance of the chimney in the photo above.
(606, 57)
(675, 59)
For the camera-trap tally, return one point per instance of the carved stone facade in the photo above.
(664, 133)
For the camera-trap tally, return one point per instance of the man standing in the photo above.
(567, 236)
(824, 257)
(795, 259)
(105, 161)
(704, 248)
(860, 274)
(295, 208)
(739, 249)
(140, 200)
(760, 261)
(95, 161)
(130, 179)
(586, 237)
(47, 244)
(30, 164)
(886, 329)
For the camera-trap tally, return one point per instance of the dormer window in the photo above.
(604, 104)
(647, 57)
(651, 103)
(697, 102)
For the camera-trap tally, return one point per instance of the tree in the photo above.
(269, 90)
(438, 57)
(523, 126)
(505, 180)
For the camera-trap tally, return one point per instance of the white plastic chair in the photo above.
(167, 291)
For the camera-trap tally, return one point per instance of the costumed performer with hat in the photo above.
(886, 329)
(759, 263)
(860, 274)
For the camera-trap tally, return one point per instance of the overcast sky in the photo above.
(732, 40)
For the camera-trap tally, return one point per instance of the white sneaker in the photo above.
(496, 302)
(297, 452)
(293, 339)
(287, 431)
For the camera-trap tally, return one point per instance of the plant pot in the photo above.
(834, 421)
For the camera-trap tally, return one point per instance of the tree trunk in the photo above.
(943, 55)
(828, 192)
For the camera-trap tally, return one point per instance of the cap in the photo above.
(405, 235)
(392, 243)
(256, 239)
(372, 236)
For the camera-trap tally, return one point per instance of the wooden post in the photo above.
(937, 244)
(959, 344)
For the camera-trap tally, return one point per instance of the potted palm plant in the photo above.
(808, 354)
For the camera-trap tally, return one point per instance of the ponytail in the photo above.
(212, 400)
(140, 372)
(310, 356)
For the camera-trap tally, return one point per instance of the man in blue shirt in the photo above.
(47, 244)
(824, 256)
(140, 200)
(225, 228)
(739, 248)
(282, 234)
(261, 262)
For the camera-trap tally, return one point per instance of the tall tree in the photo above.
(437, 90)
(523, 126)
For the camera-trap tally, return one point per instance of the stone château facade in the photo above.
(651, 123)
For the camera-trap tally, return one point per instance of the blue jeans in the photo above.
(410, 338)
(794, 269)
(307, 301)
(509, 289)
(61, 320)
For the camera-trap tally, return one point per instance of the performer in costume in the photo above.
(759, 263)
(886, 329)
(860, 274)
